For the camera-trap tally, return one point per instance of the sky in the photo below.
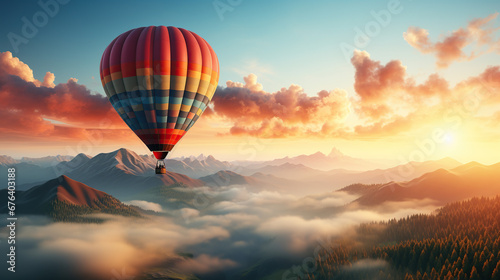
(399, 80)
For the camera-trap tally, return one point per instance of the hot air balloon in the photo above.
(160, 80)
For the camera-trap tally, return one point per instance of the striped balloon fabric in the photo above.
(160, 80)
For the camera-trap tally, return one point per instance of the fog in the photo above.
(231, 229)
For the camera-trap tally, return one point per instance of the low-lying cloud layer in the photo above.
(236, 227)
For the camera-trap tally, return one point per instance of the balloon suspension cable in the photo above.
(160, 167)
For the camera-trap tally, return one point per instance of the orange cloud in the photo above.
(488, 80)
(41, 108)
(478, 32)
(373, 81)
(287, 112)
(386, 102)
(383, 89)
(375, 84)
(10, 65)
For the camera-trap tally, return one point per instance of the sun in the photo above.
(449, 138)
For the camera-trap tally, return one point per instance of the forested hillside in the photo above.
(66, 200)
(459, 241)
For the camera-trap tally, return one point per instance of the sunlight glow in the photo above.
(449, 138)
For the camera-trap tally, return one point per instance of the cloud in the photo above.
(10, 65)
(97, 251)
(287, 112)
(374, 81)
(376, 84)
(487, 83)
(387, 102)
(233, 220)
(33, 108)
(479, 35)
(333, 199)
(205, 264)
(270, 224)
(146, 205)
(368, 264)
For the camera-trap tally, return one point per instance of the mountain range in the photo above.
(42, 162)
(123, 172)
(442, 186)
(256, 182)
(334, 160)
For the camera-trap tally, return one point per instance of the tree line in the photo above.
(459, 241)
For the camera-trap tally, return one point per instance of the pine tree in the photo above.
(474, 275)
(496, 272)
(461, 275)
(434, 274)
(486, 270)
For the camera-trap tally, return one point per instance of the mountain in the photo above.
(123, 172)
(33, 171)
(7, 161)
(286, 170)
(320, 161)
(74, 163)
(122, 159)
(442, 185)
(27, 173)
(228, 178)
(194, 167)
(65, 199)
(361, 189)
(256, 182)
(336, 178)
(197, 167)
(120, 172)
(404, 172)
(46, 161)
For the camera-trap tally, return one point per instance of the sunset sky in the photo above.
(394, 80)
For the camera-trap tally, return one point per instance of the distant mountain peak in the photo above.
(227, 172)
(201, 157)
(473, 165)
(335, 153)
(226, 178)
(211, 158)
(6, 160)
(81, 156)
(125, 151)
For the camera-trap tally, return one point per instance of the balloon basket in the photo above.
(160, 167)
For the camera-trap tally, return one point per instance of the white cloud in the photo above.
(146, 205)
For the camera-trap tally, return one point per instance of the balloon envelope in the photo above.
(160, 80)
